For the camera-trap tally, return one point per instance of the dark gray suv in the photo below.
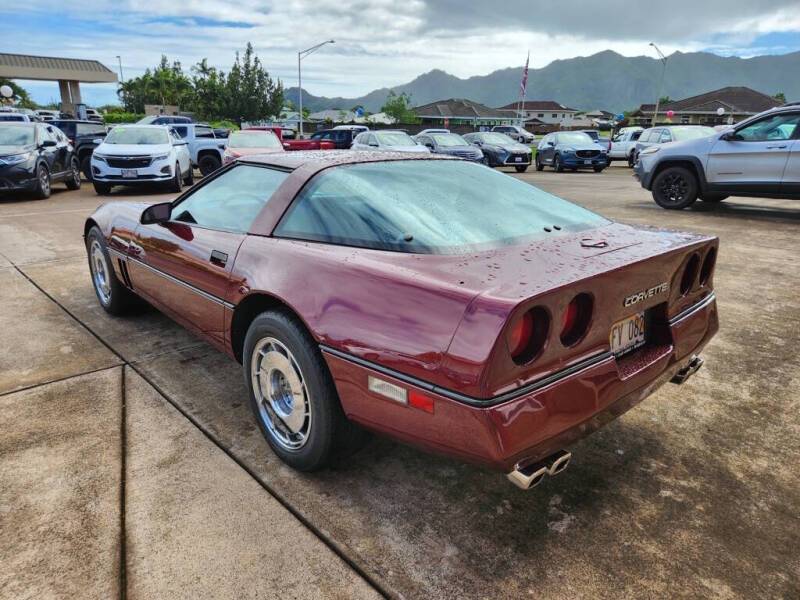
(758, 157)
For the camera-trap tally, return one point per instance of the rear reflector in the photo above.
(420, 401)
(387, 390)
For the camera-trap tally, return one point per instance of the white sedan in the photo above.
(391, 140)
(137, 154)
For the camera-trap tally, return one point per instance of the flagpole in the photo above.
(523, 91)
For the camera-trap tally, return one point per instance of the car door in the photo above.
(183, 265)
(181, 151)
(60, 151)
(49, 153)
(790, 184)
(547, 149)
(753, 158)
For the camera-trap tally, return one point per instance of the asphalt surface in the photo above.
(130, 464)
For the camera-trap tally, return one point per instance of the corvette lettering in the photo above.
(645, 294)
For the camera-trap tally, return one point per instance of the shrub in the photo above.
(122, 117)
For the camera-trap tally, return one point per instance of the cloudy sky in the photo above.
(382, 42)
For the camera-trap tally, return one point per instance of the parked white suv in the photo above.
(757, 157)
(623, 144)
(137, 154)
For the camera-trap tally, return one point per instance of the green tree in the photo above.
(780, 97)
(664, 100)
(399, 108)
(20, 94)
(251, 93)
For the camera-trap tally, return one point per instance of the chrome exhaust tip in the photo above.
(690, 369)
(532, 475)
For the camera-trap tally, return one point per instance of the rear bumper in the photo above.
(534, 425)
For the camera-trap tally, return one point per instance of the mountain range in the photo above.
(606, 80)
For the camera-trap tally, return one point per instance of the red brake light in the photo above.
(527, 335)
(577, 317)
(690, 273)
(520, 334)
(708, 266)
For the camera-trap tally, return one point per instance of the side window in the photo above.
(203, 132)
(372, 140)
(666, 136)
(424, 140)
(635, 135)
(231, 201)
(775, 127)
(360, 139)
(181, 130)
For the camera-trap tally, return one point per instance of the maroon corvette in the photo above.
(430, 299)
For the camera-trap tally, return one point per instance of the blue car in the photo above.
(570, 150)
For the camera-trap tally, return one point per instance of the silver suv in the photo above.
(757, 157)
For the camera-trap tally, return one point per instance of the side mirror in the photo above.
(429, 146)
(551, 143)
(48, 143)
(477, 143)
(157, 213)
(731, 136)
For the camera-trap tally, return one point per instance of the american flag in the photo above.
(524, 83)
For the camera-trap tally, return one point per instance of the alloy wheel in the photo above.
(673, 188)
(44, 181)
(281, 394)
(101, 276)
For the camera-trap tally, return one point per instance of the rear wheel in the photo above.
(189, 179)
(292, 394)
(521, 168)
(101, 189)
(114, 297)
(675, 188)
(631, 161)
(73, 180)
(208, 164)
(86, 166)
(42, 189)
(557, 166)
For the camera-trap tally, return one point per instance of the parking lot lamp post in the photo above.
(663, 60)
(300, 56)
(121, 78)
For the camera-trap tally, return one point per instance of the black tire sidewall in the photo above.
(691, 194)
(72, 182)
(557, 166)
(38, 191)
(208, 164)
(325, 407)
(86, 167)
(177, 181)
(521, 169)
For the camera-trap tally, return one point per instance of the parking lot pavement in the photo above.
(692, 494)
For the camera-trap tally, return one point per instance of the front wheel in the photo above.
(86, 167)
(42, 189)
(675, 188)
(292, 394)
(521, 168)
(101, 189)
(631, 160)
(114, 297)
(557, 166)
(208, 164)
(73, 181)
(176, 185)
(539, 165)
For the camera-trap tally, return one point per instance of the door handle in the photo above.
(218, 258)
(774, 147)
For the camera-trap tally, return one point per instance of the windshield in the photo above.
(15, 136)
(575, 137)
(395, 138)
(496, 138)
(691, 133)
(449, 139)
(261, 139)
(137, 135)
(426, 206)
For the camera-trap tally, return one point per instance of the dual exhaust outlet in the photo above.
(532, 475)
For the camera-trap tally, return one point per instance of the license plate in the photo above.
(627, 335)
(130, 173)
(518, 159)
(587, 162)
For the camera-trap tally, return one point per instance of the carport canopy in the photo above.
(69, 72)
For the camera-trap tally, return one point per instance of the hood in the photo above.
(253, 151)
(415, 148)
(8, 150)
(133, 149)
(587, 146)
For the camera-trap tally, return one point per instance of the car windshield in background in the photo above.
(427, 206)
(137, 135)
(691, 133)
(574, 137)
(395, 138)
(262, 139)
(15, 136)
(448, 139)
(496, 138)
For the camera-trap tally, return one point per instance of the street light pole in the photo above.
(663, 60)
(300, 56)
(121, 78)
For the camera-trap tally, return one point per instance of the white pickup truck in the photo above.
(623, 144)
(205, 148)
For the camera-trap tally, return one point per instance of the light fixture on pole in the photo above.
(663, 60)
(121, 78)
(300, 56)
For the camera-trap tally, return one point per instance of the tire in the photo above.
(176, 185)
(598, 169)
(114, 297)
(189, 179)
(557, 166)
(101, 189)
(631, 160)
(86, 166)
(308, 434)
(675, 188)
(539, 165)
(43, 183)
(73, 180)
(521, 168)
(208, 163)
(713, 198)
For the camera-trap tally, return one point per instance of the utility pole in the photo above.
(663, 60)
(300, 56)
(121, 78)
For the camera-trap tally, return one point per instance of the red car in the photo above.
(431, 299)
(292, 144)
(248, 142)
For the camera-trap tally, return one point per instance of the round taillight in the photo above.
(527, 334)
(708, 266)
(690, 274)
(577, 317)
